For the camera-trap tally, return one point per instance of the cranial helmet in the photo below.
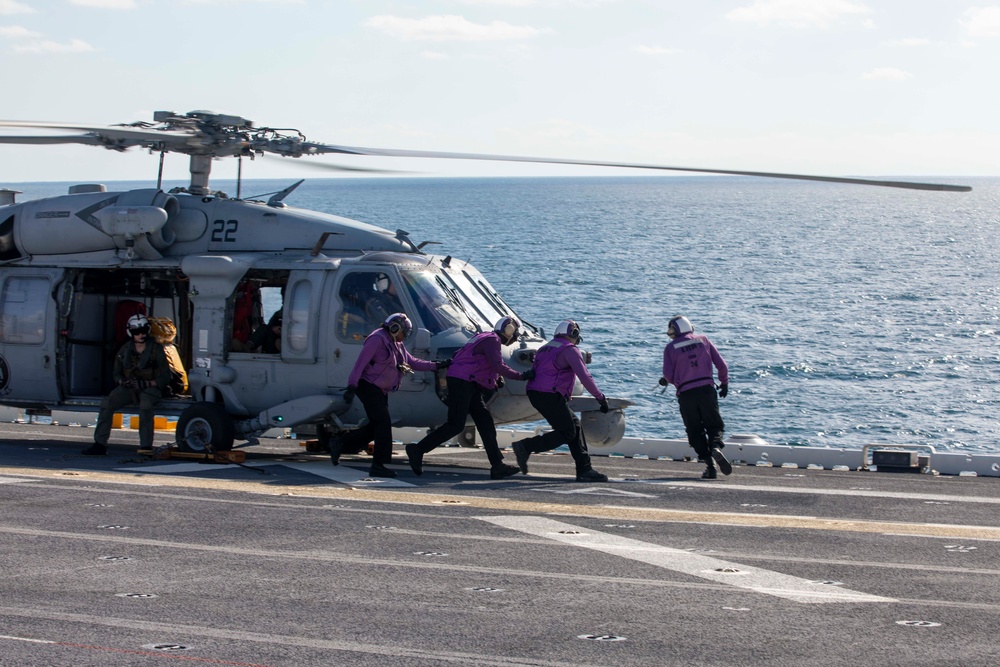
(507, 328)
(570, 329)
(137, 324)
(381, 282)
(679, 325)
(398, 322)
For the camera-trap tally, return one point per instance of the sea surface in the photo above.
(848, 315)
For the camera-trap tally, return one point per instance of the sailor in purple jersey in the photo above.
(380, 368)
(687, 364)
(557, 365)
(477, 370)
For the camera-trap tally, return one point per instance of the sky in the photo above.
(832, 87)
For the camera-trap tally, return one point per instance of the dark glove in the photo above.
(130, 383)
(444, 363)
(604, 406)
(349, 395)
(501, 382)
(663, 382)
(528, 374)
(723, 390)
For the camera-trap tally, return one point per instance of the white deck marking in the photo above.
(601, 491)
(12, 480)
(343, 474)
(697, 565)
(827, 492)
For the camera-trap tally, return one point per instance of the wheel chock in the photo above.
(217, 457)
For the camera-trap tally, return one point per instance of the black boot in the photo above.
(591, 475)
(521, 453)
(336, 444)
(379, 470)
(720, 459)
(95, 449)
(503, 470)
(709, 473)
(416, 458)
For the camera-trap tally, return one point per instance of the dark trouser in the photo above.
(565, 429)
(466, 398)
(702, 421)
(378, 428)
(118, 399)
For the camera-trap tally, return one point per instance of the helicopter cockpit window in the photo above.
(367, 298)
(22, 310)
(479, 295)
(437, 305)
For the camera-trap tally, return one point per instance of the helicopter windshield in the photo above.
(479, 296)
(439, 306)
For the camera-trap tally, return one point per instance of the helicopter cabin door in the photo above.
(28, 321)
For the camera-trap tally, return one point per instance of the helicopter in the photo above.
(74, 267)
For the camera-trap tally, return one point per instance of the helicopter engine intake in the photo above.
(140, 220)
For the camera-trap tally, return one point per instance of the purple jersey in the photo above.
(558, 364)
(480, 361)
(688, 360)
(380, 359)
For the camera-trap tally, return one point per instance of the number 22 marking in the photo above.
(224, 231)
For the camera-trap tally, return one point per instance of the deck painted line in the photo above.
(860, 493)
(12, 480)
(343, 474)
(746, 577)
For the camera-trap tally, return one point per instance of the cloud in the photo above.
(909, 41)
(450, 28)
(532, 3)
(886, 74)
(981, 21)
(434, 55)
(796, 13)
(32, 42)
(508, 3)
(656, 50)
(29, 41)
(18, 32)
(105, 4)
(9, 7)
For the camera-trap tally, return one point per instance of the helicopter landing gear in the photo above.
(204, 427)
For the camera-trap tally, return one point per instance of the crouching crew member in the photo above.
(557, 365)
(141, 372)
(380, 368)
(687, 364)
(476, 373)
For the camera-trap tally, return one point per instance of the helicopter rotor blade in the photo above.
(202, 133)
(389, 152)
(73, 139)
(324, 166)
(140, 135)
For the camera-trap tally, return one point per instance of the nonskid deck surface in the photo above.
(290, 560)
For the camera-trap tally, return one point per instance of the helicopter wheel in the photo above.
(203, 426)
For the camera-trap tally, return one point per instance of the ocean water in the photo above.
(848, 315)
